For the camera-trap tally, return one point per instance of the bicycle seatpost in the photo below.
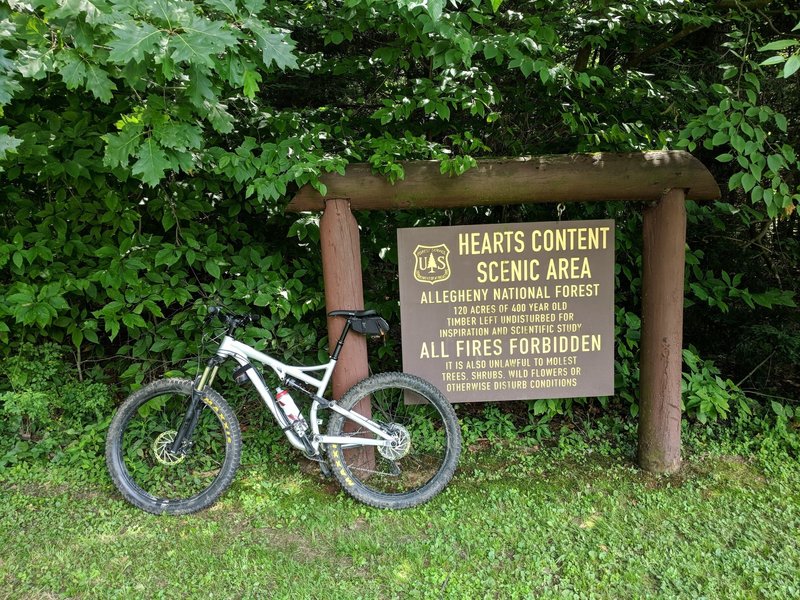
(340, 343)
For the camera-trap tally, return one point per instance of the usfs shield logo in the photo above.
(431, 264)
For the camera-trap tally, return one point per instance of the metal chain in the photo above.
(560, 209)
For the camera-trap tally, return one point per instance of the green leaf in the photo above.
(748, 181)
(720, 138)
(72, 69)
(99, 84)
(166, 256)
(70, 9)
(496, 4)
(133, 42)
(781, 122)
(7, 30)
(435, 8)
(213, 268)
(490, 51)
(33, 63)
(226, 6)
(773, 60)
(526, 66)
(200, 87)
(151, 164)
(178, 136)
(775, 162)
(791, 66)
(112, 327)
(724, 158)
(133, 320)
(778, 45)
(250, 83)
(8, 143)
(275, 46)
(198, 42)
(120, 146)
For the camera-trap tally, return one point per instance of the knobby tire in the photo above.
(417, 469)
(152, 478)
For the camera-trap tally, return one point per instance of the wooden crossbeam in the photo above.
(557, 178)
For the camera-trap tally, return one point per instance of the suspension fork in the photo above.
(192, 415)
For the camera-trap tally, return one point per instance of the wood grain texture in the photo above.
(557, 178)
(664, 233)
(344, 289)
(341, 273)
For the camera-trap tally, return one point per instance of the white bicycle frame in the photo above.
(242, 354)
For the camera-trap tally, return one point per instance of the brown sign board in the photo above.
(514, 311)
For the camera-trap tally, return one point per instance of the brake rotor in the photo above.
(161, 446)
(399, 445)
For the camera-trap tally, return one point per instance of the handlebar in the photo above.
(231, 322)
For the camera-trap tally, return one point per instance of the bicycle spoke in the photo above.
(147, 468)
(419, 450)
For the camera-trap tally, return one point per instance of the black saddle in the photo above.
(365, 322)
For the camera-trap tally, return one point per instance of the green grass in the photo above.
(518, 521)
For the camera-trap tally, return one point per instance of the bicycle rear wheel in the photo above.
(425, 447)
(139, 442)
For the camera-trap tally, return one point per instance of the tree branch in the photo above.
(582, 59)
(749, 5)
(636, 60)
(754, 5)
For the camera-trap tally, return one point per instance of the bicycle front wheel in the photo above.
(425, 447)
(139, 449)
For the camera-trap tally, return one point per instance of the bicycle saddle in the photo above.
(359, 314)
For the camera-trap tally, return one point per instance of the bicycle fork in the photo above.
(183, 437)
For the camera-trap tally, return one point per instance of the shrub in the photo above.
(50, 413)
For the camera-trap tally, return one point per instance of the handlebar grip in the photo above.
(213, 311)
(230, 321)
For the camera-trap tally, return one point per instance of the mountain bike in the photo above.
(392, 441)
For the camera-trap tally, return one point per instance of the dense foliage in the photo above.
(148, 147)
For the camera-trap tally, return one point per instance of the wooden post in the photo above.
(341, 273)
(344, 289)
(664, 231)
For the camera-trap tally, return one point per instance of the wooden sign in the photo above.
(509, 312)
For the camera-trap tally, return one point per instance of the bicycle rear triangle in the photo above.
(174, 445)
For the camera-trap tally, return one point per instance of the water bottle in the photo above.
(291, 411)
